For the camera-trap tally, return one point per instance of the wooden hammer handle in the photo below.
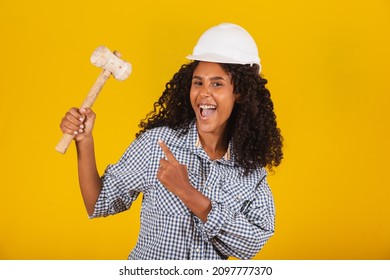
(66, 139)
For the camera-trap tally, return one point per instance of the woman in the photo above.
(199, 159)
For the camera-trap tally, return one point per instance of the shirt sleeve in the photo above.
(243, 233)
(122, 182)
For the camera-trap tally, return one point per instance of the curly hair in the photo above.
(252, 128)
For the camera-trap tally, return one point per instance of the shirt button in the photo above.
(197, 250)
(238, 197)
(208, 187)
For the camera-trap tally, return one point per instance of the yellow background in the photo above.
(327, 64)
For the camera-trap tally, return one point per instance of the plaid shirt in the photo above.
(239, 224)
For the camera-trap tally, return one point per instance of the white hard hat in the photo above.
(226, 43)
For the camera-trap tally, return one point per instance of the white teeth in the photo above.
(207, 106)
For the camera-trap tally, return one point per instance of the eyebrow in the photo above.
(212, 78)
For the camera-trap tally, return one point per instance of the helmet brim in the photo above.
(211, 57)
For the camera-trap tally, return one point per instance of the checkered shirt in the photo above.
(239, 224)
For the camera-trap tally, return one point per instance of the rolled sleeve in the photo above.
(242, 234)
(217, 218)
(124, 181)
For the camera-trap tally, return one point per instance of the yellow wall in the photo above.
(327, 64)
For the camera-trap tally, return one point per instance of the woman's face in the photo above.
(212, 97)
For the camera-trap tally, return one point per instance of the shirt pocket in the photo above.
(169, 204)
(237, 194)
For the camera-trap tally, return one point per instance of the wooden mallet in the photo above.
(111, 64)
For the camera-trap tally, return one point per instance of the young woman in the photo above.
(199, 158)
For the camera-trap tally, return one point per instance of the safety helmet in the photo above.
(226, 43)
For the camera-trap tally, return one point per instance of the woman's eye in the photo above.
(217, 84)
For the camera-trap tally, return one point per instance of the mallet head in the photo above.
(104, 58)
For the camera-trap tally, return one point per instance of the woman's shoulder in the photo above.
(164, 133)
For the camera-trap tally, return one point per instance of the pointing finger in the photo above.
(167, 151)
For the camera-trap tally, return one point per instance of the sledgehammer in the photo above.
(111, 64)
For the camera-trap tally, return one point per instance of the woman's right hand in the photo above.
(78, 122)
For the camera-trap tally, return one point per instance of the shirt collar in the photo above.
(225, 157)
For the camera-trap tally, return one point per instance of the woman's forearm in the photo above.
(89, 179)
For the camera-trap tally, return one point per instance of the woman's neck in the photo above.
(214, 145)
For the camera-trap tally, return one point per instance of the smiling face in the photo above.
(212, 98)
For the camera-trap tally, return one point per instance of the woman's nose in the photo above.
(205, 91)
